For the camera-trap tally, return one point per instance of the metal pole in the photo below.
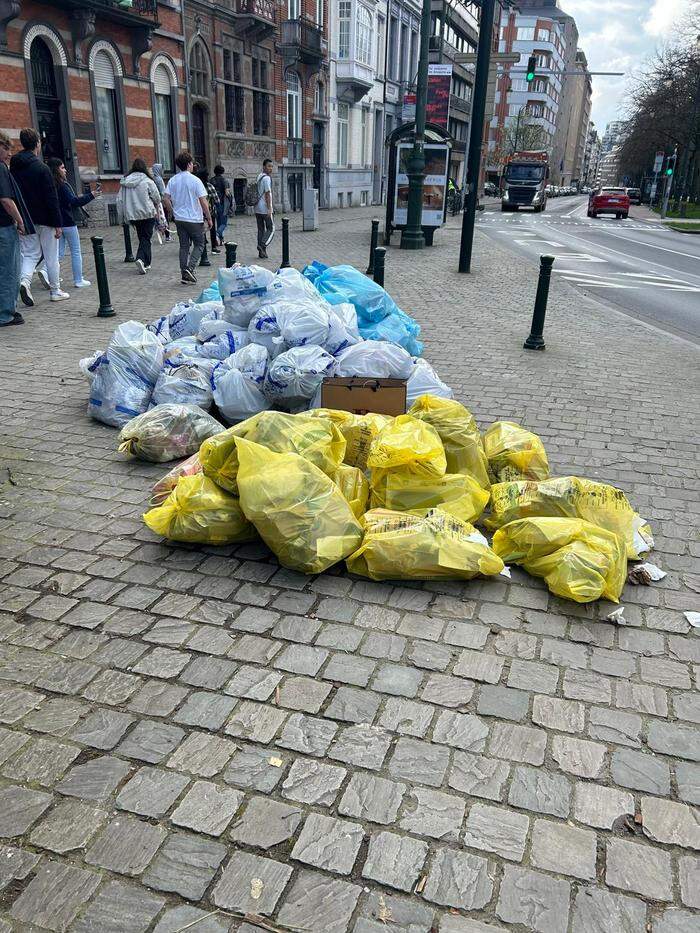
(285, 243)
(231, 254)
(128, 252)
(412, 235)
(105, 309)
(669, 182)
(379, 259)
(536, 341)
(476, 133)
(373, 245)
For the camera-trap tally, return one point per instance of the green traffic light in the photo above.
(669, 171)
(530, 75)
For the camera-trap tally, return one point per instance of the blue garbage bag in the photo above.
(209, 294)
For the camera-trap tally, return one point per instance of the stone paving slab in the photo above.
(192, 734)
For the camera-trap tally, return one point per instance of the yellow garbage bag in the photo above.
(514, 453)
(409, 445)
(353, 484)
(433, 546)
(298, 511)
(459, 434)
(572, 497)
(358, 430)
(198, 512)
(165, 485)
(458, 494)
(578, 560)
(318, 440)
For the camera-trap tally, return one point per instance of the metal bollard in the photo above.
(105, 309)
(128, 252)
(285, 243)
(231, 254)
(373, 245)
(379, 259)
(536, 341)
(204, 261)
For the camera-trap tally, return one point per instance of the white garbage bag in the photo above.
(375, 359)
(348, 315)
(213, 326)
(187, 383)
(221, 346)
(184, 319)
(340, 335)
(237, 394)
(264, 330)
(425, 381)
(161, 328)
(295, 375)
(252, 361)
(291, 287)
(88, 365)
(181, 350)
(302, 323)
(244, 289)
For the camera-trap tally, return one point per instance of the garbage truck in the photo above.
(525, 181)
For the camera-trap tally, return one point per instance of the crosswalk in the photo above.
(621, 280)
(569, 222)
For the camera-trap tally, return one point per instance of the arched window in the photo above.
(363, 35)
(199, 71)
(293, 106)
(105, 80)
(163, 117)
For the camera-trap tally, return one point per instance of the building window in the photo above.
(403, 52)
(363, 136)
(199, 71)
(319, 98)
(526, 33)
(319, 12)
(343, 126)
(543, 34)
(535, 109)
(234, 110)
(363, 199)
(340, 199)
(381, 38)
(294, 9)
(363, 35)
(105, 80)
(163, 118)
(393, 35)
(543, 59)
(261, 99)
(344, 29)
(293, 106)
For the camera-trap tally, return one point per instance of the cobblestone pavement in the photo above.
(193, 734)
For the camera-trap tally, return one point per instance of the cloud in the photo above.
(663, 16)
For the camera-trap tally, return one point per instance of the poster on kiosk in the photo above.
(434, 184)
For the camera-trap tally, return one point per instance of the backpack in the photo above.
(252, 193)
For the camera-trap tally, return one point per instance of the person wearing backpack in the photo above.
(263, 207)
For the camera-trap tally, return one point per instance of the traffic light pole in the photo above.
(669, 182)
(412, 234)
(476, 133)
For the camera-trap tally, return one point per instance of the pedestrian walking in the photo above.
(137, 202)
(223, 190)
(162, 221)
(68, 200)
(36, 184)
(14, 221)
(263, 209)
(186, 198)
(213, 199)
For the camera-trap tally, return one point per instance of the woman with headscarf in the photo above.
(162, 222)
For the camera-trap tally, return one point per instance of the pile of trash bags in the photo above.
(394, 498)
(257, 340)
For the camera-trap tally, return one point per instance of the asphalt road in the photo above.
(645, 270)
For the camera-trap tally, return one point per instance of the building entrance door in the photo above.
(48, 102)
(318, 147)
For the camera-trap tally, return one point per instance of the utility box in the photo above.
(310, 205)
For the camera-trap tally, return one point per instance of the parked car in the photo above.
(635, 195)
(609, 201)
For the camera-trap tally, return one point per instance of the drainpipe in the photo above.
(186, 72)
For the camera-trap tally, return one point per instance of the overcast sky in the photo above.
(617, 35)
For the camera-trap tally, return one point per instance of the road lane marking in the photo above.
(654, 246)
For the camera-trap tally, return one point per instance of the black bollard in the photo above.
(105, 309)
(285, 243)
(128, 252)
(204, 261)
(536, 341)
(379, 258)
(231, 254)
(373, 245)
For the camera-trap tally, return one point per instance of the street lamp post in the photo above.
(412, 234)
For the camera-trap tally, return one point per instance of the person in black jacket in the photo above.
(68, 200)
(36, 183)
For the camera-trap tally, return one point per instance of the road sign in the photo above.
(658, 161)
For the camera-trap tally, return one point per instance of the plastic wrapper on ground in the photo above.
(295, 375)
(167, 432)
(299, 512)
(435, 546)
(165, 485)
(578, 560)
(375, 360)
(185, 382)
(409, 445)
(317, 440)
(244, 289)
(459, 434)
(572, 497)
(199, 512)
(457, 494)
(514, 453)
(353, 484)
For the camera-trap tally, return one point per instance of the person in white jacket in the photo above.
(137, 203)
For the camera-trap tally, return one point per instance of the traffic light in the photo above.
(671, 164)
(531, 65)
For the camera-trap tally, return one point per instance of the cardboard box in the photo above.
(360, 394)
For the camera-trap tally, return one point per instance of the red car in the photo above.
(609, 201)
